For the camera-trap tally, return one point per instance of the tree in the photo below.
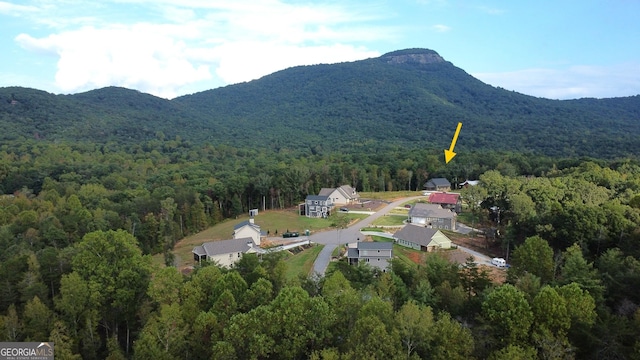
(415, 325)
(508, 313)
(576, 269)
(11, 326)
(38, 320)
(473, 196)
(371, 339)
(165, 286)
(550, 314)
(534, 256)
(164, 335)
(451, 340)
(117, 275)
(514, 352)
(64, 345)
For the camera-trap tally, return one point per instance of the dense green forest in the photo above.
(92, 185)
(79, 222)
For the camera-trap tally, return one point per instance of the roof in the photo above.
(444, 198)
(374, 245)
(348, 191)
(220, 247)
(416, 234)
(470, 183)
(245, 223)
(423, 210)
(345, 190)
(326, 191)
(318, 197)
(439, 182)
(352, 253)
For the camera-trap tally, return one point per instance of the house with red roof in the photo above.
(450, 201)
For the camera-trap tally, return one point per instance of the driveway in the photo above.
(331, 239)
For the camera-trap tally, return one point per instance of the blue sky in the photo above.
(554, 49)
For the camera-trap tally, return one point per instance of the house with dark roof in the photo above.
(249, 229)
(432, 216)
(343, 195)
(318, 206)
(224, 252)
(377, 254)
(422, 238)
(437, 184)
(449, 201)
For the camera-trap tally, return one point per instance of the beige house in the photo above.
(224, 252)
(343, 195)
(248, 229)
(422, 238)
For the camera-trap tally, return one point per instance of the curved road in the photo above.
(331, 239)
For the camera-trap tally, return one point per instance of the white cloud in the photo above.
(13, 9)
(194, 41)
(570, 83)
(139, 57)
(441, 28)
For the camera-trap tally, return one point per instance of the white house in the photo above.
(248, 229)
(224, 252)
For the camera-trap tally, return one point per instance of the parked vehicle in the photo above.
(499, 262)
(289, 234)
(344, 209)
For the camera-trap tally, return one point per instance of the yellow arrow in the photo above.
(449, 154)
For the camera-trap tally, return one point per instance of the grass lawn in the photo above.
(391, 220)
(389, 195)
(302, 263)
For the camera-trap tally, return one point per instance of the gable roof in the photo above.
(326, 191)
(318, 197)
(245, 223)
(439, 182)
(423, 210)
(220, 247)
(345, 190)
(444, 198)
(416, 234)
(348, 191)
(374, 245)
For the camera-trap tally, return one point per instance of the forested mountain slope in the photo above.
(409, 98)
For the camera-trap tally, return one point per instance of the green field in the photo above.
(390, 220)
(302, 263)
(389, 195)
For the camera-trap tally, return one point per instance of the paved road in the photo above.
(331, 239)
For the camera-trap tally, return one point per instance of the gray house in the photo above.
(376, 254)
(318, 206)
(422, 238)
(432, 216)
(438, 184)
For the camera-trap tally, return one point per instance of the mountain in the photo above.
(409, 98)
